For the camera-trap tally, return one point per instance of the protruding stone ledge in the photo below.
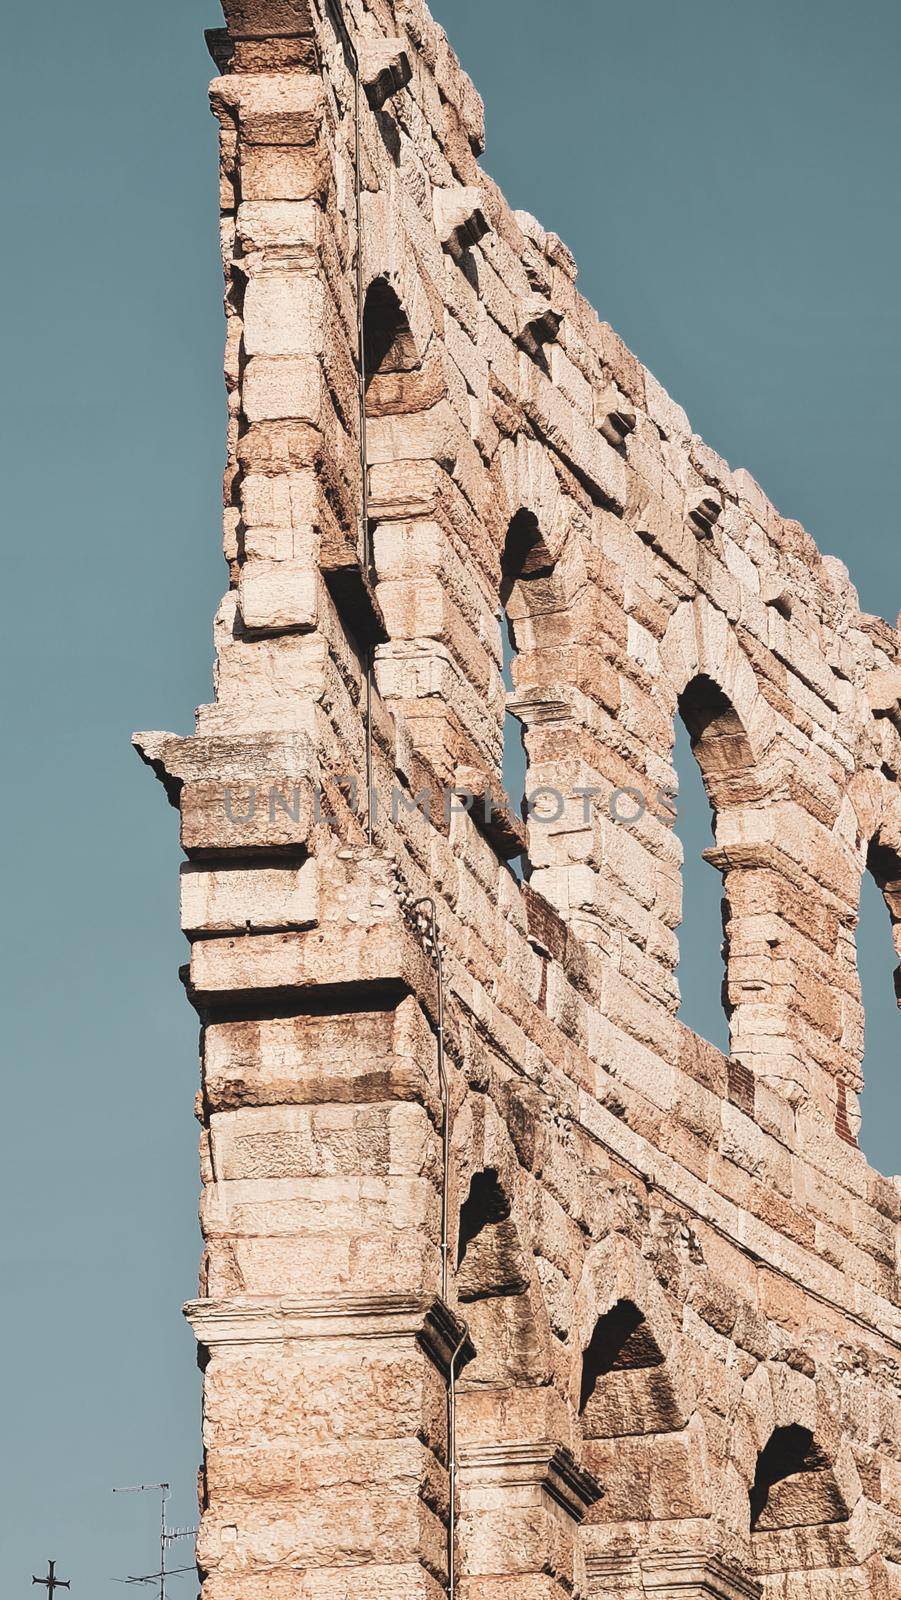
(703, 516)
(336, 961)
(431, 1323)
(459, 218)
(685, 1577)
(385, 69)
(241, 795)
(178, 759)
(539, 1464)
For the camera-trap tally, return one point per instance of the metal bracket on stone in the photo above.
(385, 69)
(445, 1339)
(704, 515)
(459, 218)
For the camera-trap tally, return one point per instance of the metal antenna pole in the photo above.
(167, 1536)
(163, 1493)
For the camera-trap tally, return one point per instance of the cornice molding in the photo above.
(428, 1321)
(541, 1463)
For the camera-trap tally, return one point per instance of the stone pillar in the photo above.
(325, 1347)
(324, 1436)
(523, 1496)
(522, 1502)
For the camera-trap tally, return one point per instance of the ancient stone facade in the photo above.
(513, 1287)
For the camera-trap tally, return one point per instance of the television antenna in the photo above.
(168, 1537)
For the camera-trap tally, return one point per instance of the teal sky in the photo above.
(727, 177)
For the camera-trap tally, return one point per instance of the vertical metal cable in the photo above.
(452, 1467)
(428, 903)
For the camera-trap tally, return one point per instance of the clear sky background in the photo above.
(727, 176)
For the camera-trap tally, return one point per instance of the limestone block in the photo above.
(303, 1141)
(592, 458)
(243, 817)
(297, 224)
(884, 690)
(360, 1056)
(274, 596)
(321, 958)
(261, 17)
(368, 1262)
(292, 387)
(221, 898)
(285, 314)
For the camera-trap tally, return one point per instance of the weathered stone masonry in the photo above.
(671, 1306)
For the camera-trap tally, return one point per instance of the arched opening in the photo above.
(526, 595)
(390, 356)
(794, 1484)
(716, 774)
(431, 668)
(493, 1282)
(624, 1390)
(701, 927)
(489, 1257)
(395, 385)
(636, 1442)
(513, 765)
(880, 984)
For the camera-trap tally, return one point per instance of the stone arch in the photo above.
(552, 598)
(433, 565)
(633, 1390)
(794, 1483)
(700, 642)
(793, 1491)
(876, 813)
(774, 994)
(495, 1278)
(399, 381)
(628, 1345)
(523, 1492)
(720, 744)
(871, 822)
(623, 1390)
(722, 753)
(490, 1257)
(532, 607)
